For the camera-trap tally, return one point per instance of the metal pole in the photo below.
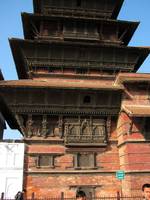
(62, 196)
(118, 195)
(32, 196)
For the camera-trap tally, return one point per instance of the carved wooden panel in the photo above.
(85, 131)
(76, 130)
(29, 126)
(40, 125)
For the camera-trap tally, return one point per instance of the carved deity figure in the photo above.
(84, 127)
(44, 126)
(29, 127)
(60, 126)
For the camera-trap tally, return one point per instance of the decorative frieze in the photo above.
(76, 130)
(85, 131)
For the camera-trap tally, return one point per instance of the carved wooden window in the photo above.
(87, 100)
(45, 161)
(85, 131)
(85, 161)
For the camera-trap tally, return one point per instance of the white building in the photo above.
(11, 168)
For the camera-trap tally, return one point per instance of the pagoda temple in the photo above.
(82, 109)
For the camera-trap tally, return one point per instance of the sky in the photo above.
(11, 27)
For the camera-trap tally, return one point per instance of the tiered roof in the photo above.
(77, 37)
(31, 26)
(36, 56)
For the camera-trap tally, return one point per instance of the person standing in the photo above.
(20, 195)
(146, 191)
(80, 195)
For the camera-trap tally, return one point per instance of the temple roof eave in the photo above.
(1, 75)
(22, 67)
(116, 11)
(21, 71)
(36, 5)
(137, 110)
(7, 114)
(19, 41)
(131, 78)
(58, 83)
(28, 18)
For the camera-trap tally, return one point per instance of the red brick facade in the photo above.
(83, 111)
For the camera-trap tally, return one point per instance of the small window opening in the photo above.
(87, 99)
(45, 161)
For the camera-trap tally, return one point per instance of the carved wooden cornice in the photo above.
(65, 111)
(72, 172)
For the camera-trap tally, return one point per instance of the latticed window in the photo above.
(85, 160)
(45, 161)
(87, 100)
(89, 131)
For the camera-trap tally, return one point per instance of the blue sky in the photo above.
(11, 26)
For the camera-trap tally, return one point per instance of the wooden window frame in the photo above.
(92, 163)
(51, 161)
